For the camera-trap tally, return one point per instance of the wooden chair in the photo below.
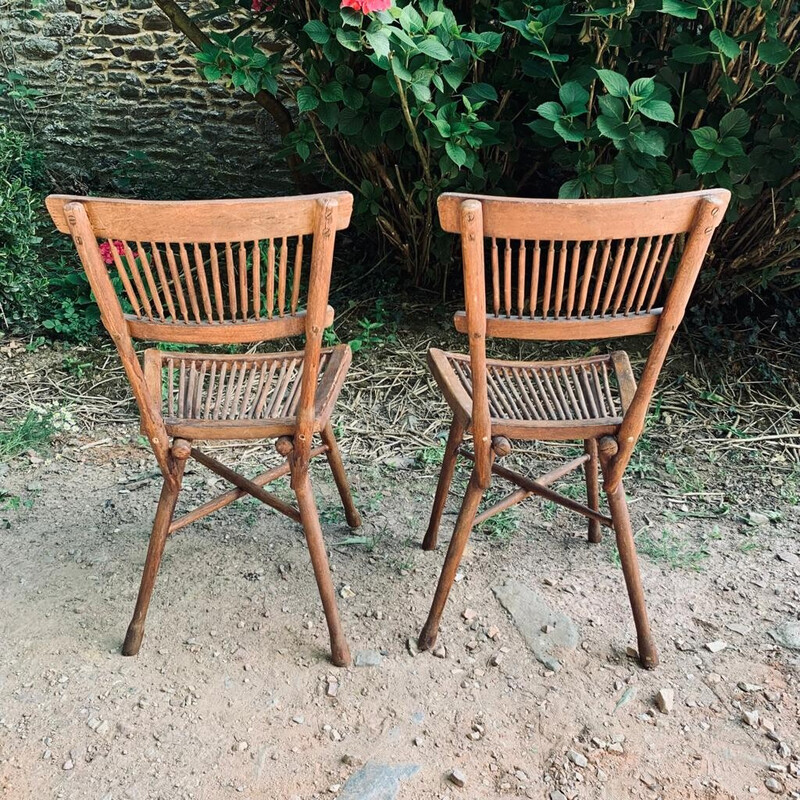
(215, 273)
(563, 270)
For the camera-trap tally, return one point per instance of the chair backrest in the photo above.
(208, 272)
(579, 269)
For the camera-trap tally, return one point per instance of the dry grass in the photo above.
(745, 399)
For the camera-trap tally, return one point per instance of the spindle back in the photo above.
(579, 269)
(208, 272)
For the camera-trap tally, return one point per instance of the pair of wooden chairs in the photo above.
(234, 272)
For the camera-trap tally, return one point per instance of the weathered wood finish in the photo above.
(223, 272)
(563, 270)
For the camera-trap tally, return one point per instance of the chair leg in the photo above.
(445, 479)
(466, 517)
(340, 652)
(166, 508)
(648, 656)
(590, 469)
(339, 475)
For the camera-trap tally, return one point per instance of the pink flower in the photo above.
(367, 6)
(257, 6)
(105, 250)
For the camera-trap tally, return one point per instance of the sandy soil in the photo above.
(231, 693)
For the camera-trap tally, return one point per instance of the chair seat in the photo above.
(251, 396)
(555, 400)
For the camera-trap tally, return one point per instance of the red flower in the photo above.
(367, 6)
(105, 250)
(257, 6)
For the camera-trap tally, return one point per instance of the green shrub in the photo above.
(41, 282)
(587, 99)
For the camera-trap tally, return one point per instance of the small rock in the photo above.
(334, 787)
(368, 658)
(411, 646)
(774, 785)
(457, 777)
(784, 751)
(440, 651)
(716, 647)
(332, 688)
(615, 747)
(578, 759)
(757, 518)
(665, 700)
(787, 635)
(418, 740)
(648, 780)
(779, 768)
(68, 765)
(346, 592)
(298, 720)
(241, 746)
(787, 556)
(557, 795)
(750, 718)
(749, 687)
(493, 632)
(495, 659)
(469, 614)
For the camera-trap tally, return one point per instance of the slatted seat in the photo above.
(550, 400)
(211, 396)
(223, 272)
(559, 270)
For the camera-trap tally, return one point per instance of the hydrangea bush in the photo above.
(401, 101)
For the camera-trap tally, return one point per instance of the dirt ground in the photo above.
(233, 695)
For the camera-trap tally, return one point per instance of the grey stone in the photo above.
(665, 700)
(114, 24)
(376, 781)
(39, 47)
(62, 25)
(557, 795)
(155, 21)
(458, 777)
(578, 759)
(530, 614)
(774, 785)
(787, 634)
(368, 658)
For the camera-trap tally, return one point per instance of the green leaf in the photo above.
(689, 54)
(379, 42)
(332, 93)
(727, 45)
(704, 162)
(212, 72)
(675, 8)
(574, 97)
(616, 84)
(307, 99)
(735, 123)
(550, 110)
(643, 88)
(390, 119)
(570, 190)
(350, 122)
(350, 40)
(786, 85)
(455, 72)
(481, 91)
(612, 128)
(705, 138)
(353, 98)
(657, 110)
(421, 91)
(569, 131)
(411, 20)
(456, 153)
(611, 107)
(729, 146)
(317, 31)
(434, 48)
(774, 52)
(650, 143)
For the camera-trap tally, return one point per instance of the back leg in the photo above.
(339, 475)
(648, 656)
(445, 479)
(590, 469)
(158, 539)
(466, 517)
(340, 652)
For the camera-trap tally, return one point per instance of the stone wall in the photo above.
(123, 109)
